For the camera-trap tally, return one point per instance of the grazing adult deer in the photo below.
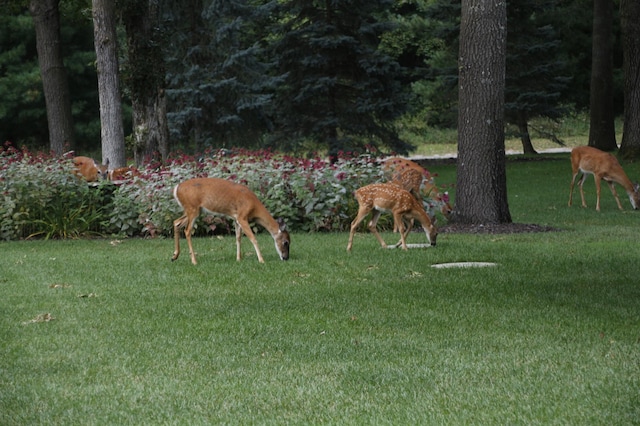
(385, 197)
(601, 165)
(89, 169)
(415, 179)
(220, 196)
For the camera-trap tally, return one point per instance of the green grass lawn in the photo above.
(551, 335)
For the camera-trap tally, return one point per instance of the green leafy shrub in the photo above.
(40, 195)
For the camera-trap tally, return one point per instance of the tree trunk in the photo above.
(525, 137)
(112, 132)
(150, 131)
(630, 23)
(602, 132)
(146, 81)
(46, 19)
(481, 195)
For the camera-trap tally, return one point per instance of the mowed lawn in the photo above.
(110, 331)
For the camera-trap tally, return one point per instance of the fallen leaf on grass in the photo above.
(87, 295)
(115, 242)
(372, 267)
(301, 274)
(414, 274)
(40, 318)
(59, 285)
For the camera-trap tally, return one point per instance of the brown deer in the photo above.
(220, 196)
(89, 169)
(123, 173)
(385, 197)
(415, 179)
(601, 165)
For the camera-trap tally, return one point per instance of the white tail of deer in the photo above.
(230, 199)
(89, 169)
(385, 197)
(601, 165)
(415, 179)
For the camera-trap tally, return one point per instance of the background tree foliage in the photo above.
(299, 75)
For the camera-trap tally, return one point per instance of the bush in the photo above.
(40, 196)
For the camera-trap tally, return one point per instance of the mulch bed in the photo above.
(497, 228)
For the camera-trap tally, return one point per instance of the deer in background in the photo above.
(385, 197)
(415, 179)
(601, 165)
(89, 169)
(220, 196)
(123, 173)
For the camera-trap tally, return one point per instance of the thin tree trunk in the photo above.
(602, 132)
(112, 132)
(525, 137)
(481, 195)
(630, 22)
(46, 19)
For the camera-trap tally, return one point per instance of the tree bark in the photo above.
(525, 136)
(112, 132)
(481, 195)
(46, 19)
(630, 23)
(146, 81)
(602, 132)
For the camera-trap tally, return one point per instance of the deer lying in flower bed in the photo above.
(389, 197)
(89, 169)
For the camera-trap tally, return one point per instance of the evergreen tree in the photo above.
(534, 80)
(220, 84)
(341, 90)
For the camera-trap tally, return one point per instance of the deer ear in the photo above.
(282, 225)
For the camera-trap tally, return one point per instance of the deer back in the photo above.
(89, 169)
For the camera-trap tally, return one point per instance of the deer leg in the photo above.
(398, 218)
(373, 227)
(573, 180)
(597, 179)
(615, 194)
(582, 179)
(243, 225)
(177, 225)
(406, 231)
(362, 213)
(187, 233)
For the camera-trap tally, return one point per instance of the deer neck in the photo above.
(267, 221)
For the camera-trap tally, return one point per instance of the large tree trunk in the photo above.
(630, 22)
(146, 81)
(602, 132)
(112, 132)
(481, 195)
(46, 19)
